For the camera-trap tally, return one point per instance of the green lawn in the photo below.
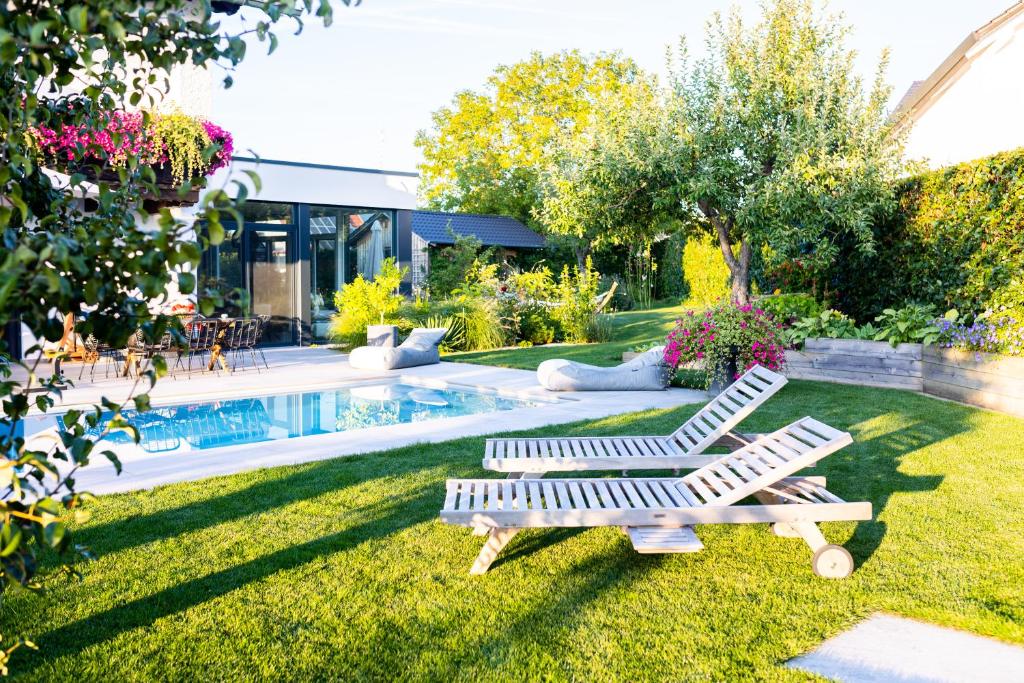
(631, 328)
(341, 569)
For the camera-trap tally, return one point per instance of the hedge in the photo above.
(956, 241)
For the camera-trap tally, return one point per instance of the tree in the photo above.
(76, 68)
(776, 141)
(602, 183)
(486, 150)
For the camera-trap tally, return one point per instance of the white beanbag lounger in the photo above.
(646, 372)
(419, 349)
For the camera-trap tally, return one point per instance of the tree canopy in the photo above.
(486, 151)
(776, 140)
(602, 183)
(70, 235)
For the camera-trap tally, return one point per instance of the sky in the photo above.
(356, 93)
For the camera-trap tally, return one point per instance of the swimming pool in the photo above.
(236, 421)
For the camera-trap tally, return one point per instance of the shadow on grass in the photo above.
(877, 478)
(584, 584)
(382, 519)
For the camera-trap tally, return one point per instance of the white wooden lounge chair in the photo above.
(658, 513)
(683, 449)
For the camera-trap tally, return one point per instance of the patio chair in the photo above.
(243, 338)
(141, 353)
(201, 335)
(658, 514)
(96, 351)
(683, 449)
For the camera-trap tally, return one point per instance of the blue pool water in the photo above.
(230, 422)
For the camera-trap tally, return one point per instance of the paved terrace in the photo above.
(295, 370)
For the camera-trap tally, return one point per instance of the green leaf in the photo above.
(78, 18)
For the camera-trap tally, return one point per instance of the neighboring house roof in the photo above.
(921, 93)
(492, 231)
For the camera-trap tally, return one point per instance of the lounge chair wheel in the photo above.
(832, 562)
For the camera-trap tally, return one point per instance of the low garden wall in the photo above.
(980, 379)
(854, 361)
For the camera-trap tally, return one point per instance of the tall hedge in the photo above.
(955, 241)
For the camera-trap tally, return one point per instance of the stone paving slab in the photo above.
(890, 648)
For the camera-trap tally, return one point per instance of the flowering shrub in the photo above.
(154, 139)
(995, 334)
(712, 338)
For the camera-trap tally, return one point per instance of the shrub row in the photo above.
(955, 241)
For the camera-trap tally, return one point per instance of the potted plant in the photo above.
(177, 148)
(725, 341)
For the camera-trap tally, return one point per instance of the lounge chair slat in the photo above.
(629, 488)
(464, 491)
(489, 448)
(687, 494)
(726, 474)
(618, 495)
(536, 500)
(550, 501)
(701, 490)
(647, 494)
(588, 448)
(519, 489)
(451, 494)
(577, 495)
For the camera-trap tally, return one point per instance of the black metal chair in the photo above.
(95, 351)
(141, 353)
(201, 335)
(242, 338)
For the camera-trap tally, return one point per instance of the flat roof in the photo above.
(328, 167)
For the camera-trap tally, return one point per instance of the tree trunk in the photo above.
(582, 249)
(739, 267)
(741, 275)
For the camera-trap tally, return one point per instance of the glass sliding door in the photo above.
(272, 281)
(370, 241)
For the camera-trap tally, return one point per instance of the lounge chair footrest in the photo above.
(659, 539)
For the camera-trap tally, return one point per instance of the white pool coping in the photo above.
(299, 370)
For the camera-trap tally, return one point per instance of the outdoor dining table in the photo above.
(217, 350)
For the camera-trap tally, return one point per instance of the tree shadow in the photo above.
(870, 471)
(584, 584)
(273, 492)
(382, 519)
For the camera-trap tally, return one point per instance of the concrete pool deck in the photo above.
(294, 370)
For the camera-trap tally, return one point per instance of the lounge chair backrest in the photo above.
(772, 457)
(728, 409)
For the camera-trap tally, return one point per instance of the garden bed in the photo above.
(855, 361)
(981, 379)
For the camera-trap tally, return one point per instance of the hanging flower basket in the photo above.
(174, 146)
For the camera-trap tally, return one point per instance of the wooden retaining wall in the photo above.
(853, 361)
(980, 379)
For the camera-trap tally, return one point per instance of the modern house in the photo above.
(312, 228)
(969, 107)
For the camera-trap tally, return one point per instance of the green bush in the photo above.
(829, 324)
(913, 323)
(705, 272)
(669, 257)
(361, 303)
(956, 241)
(472, 321)
(449, 265)
(788, 308)
(576, 309)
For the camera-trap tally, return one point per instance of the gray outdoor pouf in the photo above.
(420, 348)
(646, 372)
